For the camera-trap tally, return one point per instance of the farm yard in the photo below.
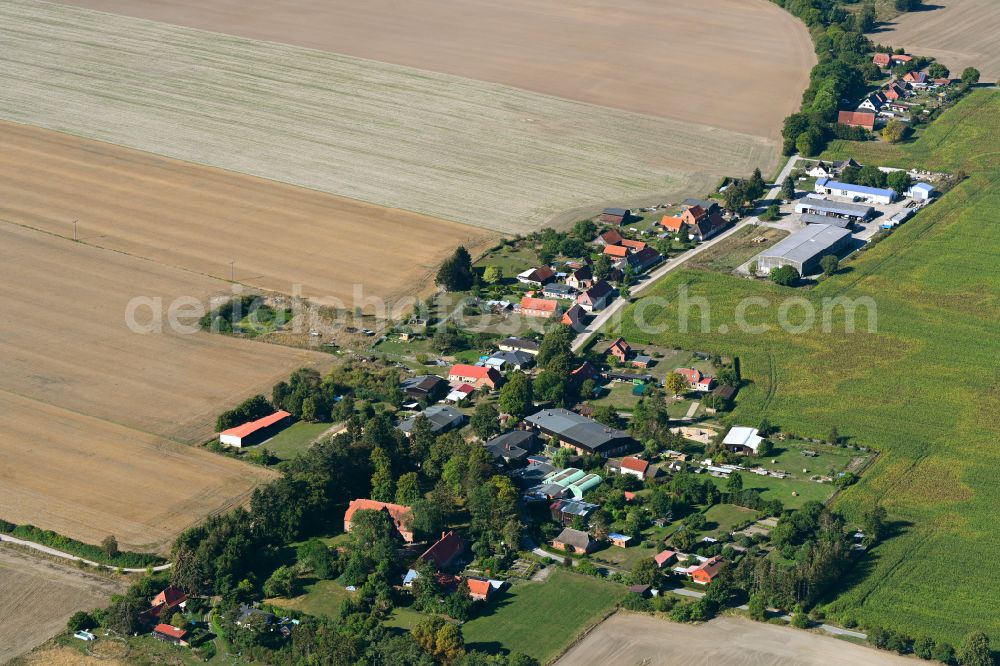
(756, 55)
(39, 596)
(935, 284)
(959, 33)
(478, 153)
(627, 638)
(199, 219)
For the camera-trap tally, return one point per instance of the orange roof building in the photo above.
(400, 515)
(674, 224)
(476, 375)
(255, 431)
(540, 307)
(445, 550)
(617, 251)
(635, 466)
(857, 119)
(707, 572)
(479, 589)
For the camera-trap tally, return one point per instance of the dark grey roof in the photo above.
(557, 288)
(514, 445)
(616, 211)
(704, 203)
(247, 611)
(600, 290)
(441, 417)
(516, 357)
(575, 507)
(836, 207)
(519, 343)
(812, 218)
(421, 383)
(574, 538)
(807, 244)
(579, 430)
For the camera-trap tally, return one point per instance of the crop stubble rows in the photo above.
(472, 152)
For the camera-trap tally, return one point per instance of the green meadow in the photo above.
(922, 387)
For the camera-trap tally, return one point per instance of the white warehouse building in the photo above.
(850, 191)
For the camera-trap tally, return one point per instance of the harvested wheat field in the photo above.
(281, 237)
(706, 62)
(468, 151)
(38, 596)
(626, 638)
(959, 33)
(97, 417)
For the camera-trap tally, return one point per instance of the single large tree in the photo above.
(485, 420)
(786, 276)
(516, 395)
(788, 189)
(975, 650)
(455, 273)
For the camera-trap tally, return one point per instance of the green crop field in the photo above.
(923, 388)
(540, 619)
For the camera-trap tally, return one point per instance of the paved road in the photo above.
(828, 628)
(619, 303)
(66, 556)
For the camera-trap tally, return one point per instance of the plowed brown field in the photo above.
(94, 414)
(39, 596)
(199, 218)
(959, 33)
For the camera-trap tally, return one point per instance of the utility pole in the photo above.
(232, 270)
(75, 237)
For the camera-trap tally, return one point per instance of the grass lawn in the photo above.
(617, 395)
(404, 618)
(321, 598)
(540, 619)
(935, 285)
(771, 487)
(625, 558)
(511, 261)
(737, 249)
(788, 458)
(723, 518)
(295, 439)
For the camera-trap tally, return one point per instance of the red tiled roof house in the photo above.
(857, 119)
(474, 375)
(539, 307)
(400, 515)
(445, 550)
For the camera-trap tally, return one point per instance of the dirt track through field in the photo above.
(200, 219)
(90, 405)
(626, 638)
(38, 596)
(959, 33)
(454, 148)
(735, 64)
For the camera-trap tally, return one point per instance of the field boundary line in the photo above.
(5, 538)
(583, 634)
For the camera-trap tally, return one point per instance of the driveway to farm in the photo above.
(66, 556)
(619, 303)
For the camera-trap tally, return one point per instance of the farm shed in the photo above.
(580, 433)
(616, 215)
(804, 248)
(850, 190)
(819, 206)
(257, 431)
